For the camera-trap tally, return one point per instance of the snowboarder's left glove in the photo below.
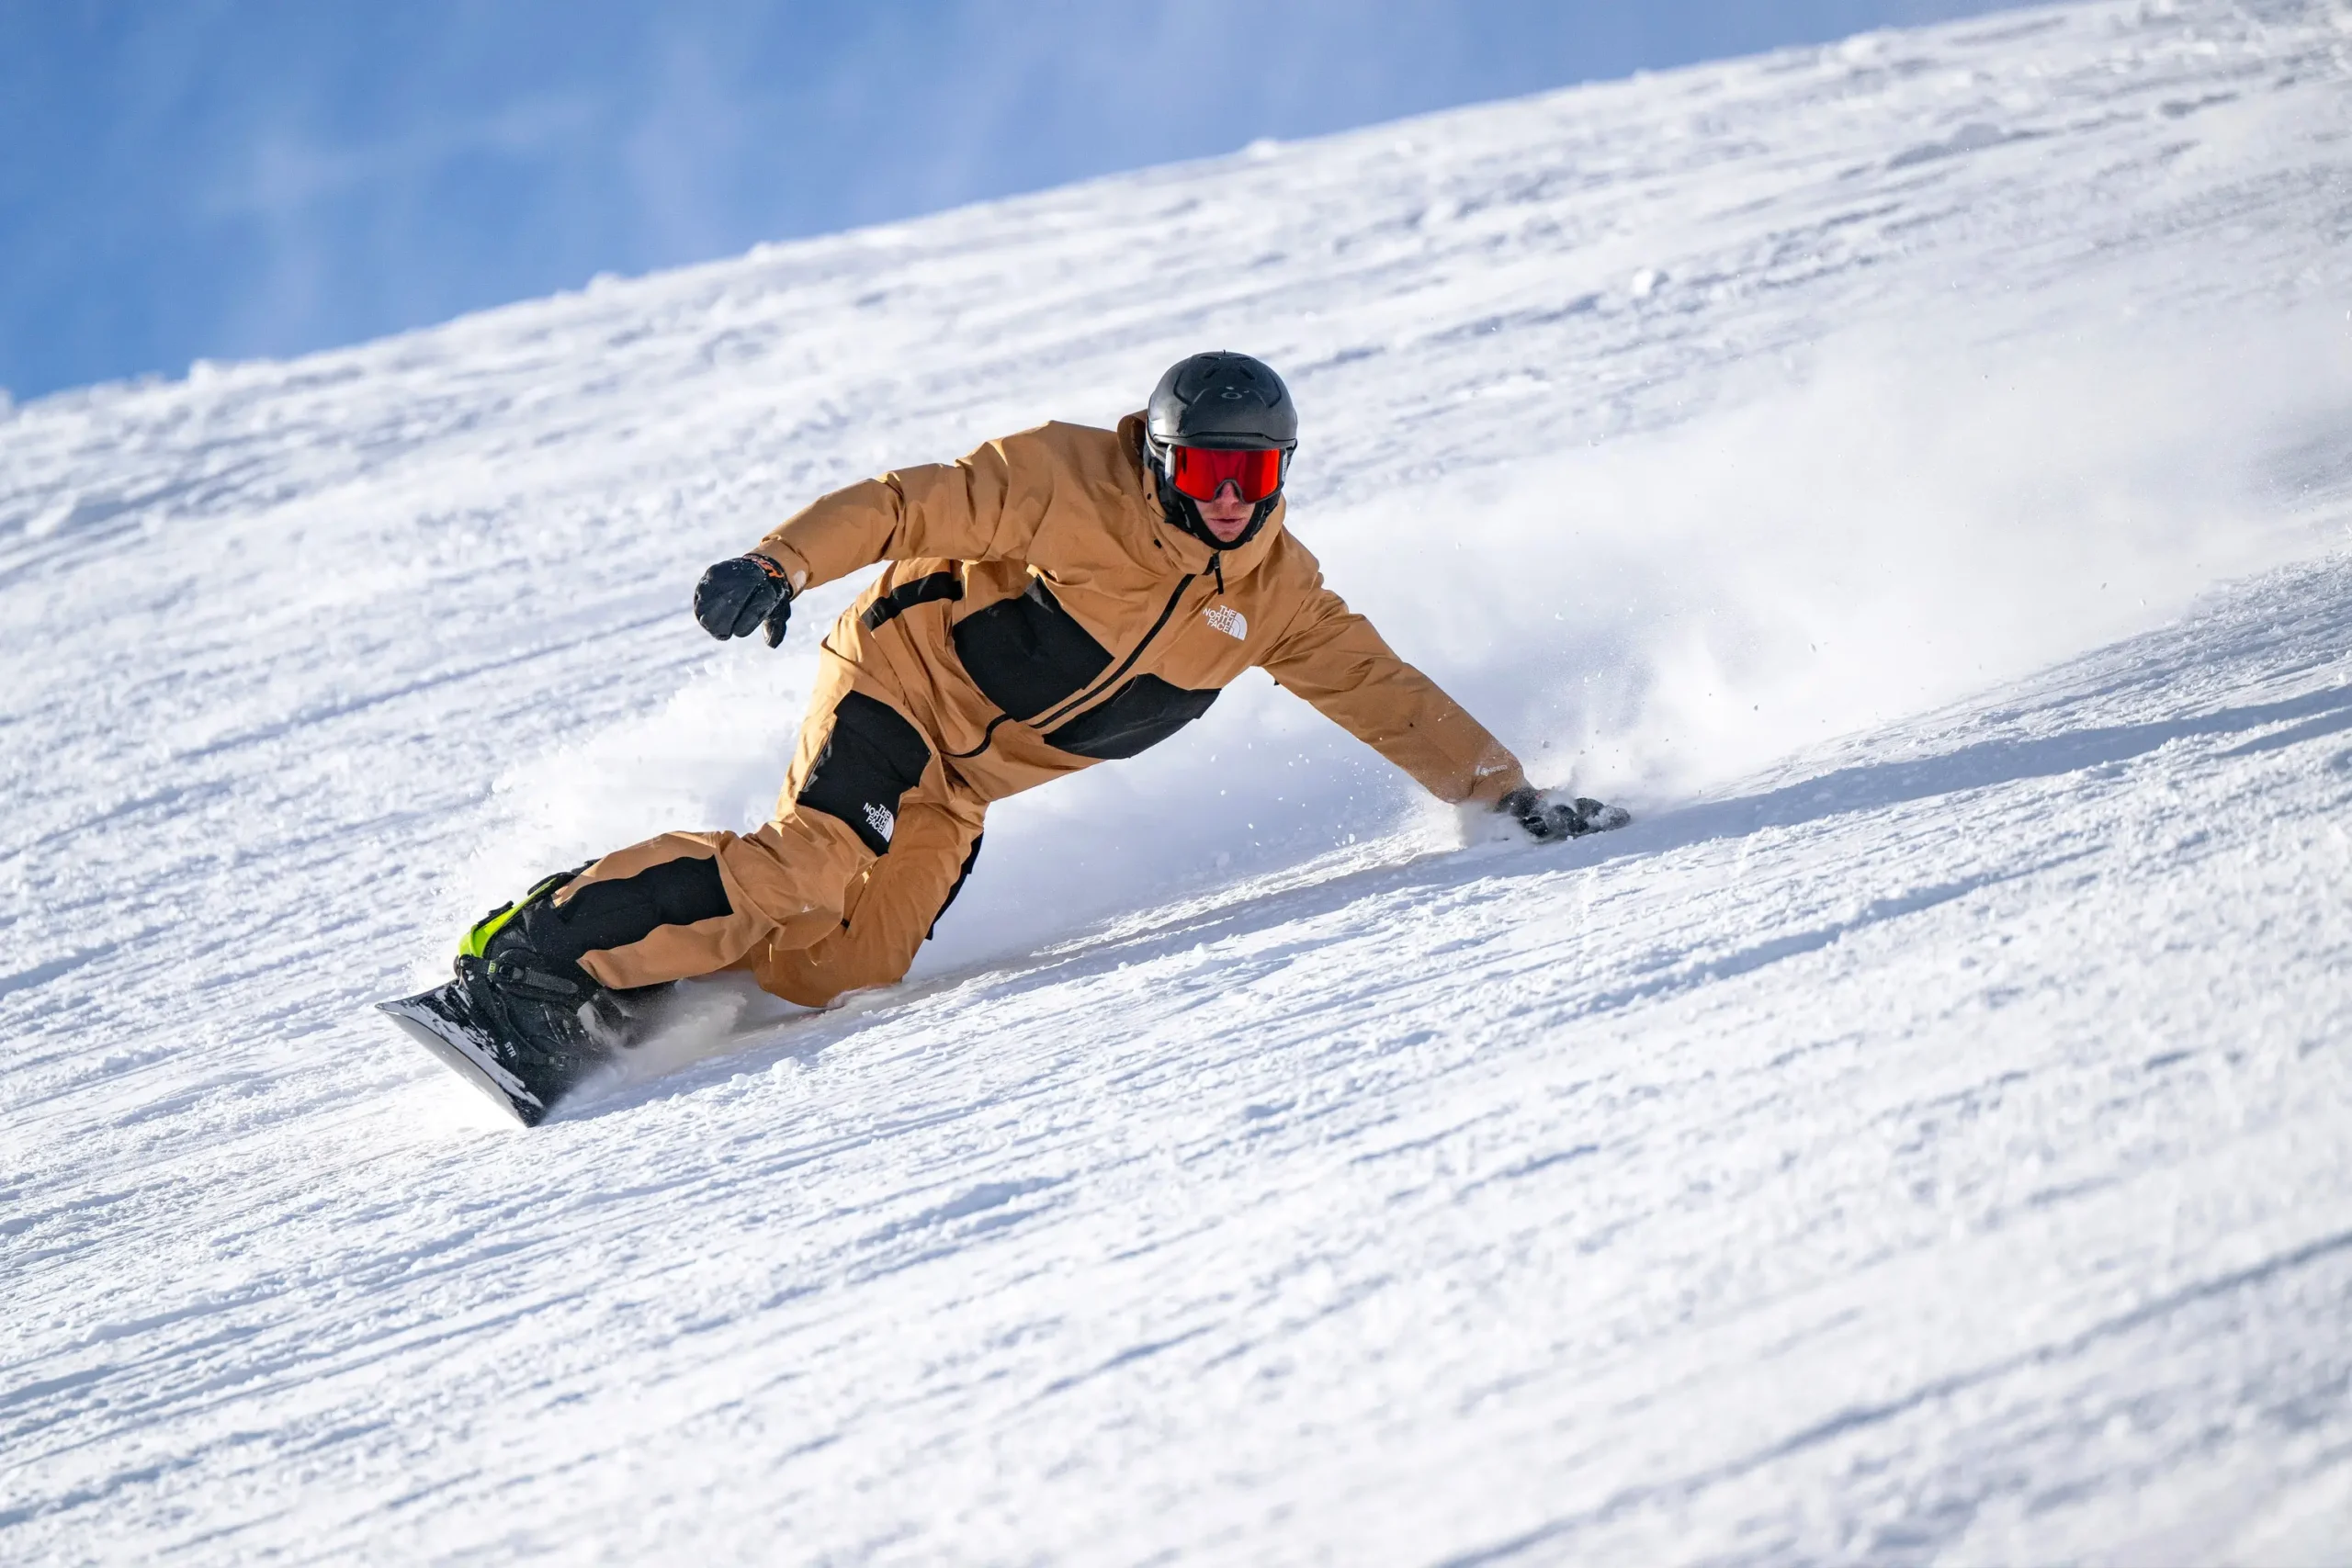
(736, 596)
(1546, 817)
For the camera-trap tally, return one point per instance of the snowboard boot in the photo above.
(523, 1020)
(523, 971)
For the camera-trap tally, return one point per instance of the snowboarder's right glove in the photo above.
(736, 596)
(1546, 817)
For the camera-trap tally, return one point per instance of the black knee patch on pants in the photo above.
(630, 908)
(872, 757)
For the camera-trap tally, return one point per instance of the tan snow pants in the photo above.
(872, 838)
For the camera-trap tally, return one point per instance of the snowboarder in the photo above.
(1058, 598)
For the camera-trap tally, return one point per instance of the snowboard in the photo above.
(444, 1022)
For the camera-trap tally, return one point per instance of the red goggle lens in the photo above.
(1201, 471)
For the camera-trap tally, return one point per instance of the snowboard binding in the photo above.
(520, 1025)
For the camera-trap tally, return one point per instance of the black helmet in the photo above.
(1221, 402)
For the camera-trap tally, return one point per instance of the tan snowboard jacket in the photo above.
(1039, 616)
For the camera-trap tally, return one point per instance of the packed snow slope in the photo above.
(1912, 474)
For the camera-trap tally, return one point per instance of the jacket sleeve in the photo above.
(1334, 659)
(982, 507)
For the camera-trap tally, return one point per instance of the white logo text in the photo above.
(1228, 620)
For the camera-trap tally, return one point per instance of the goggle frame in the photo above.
(1199, 472)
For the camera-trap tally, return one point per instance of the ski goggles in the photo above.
(1201, 471)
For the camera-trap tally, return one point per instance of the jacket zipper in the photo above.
(985, 735)
(1099, 687)
(1124, 665)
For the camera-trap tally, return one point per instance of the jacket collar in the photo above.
(1188, 553)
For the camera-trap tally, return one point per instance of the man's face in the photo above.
(1227, 514)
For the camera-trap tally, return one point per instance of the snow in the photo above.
(1911, 473)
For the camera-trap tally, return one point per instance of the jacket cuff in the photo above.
(798, 569)
(1497, 774)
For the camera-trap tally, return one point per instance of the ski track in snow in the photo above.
(1923, 1134)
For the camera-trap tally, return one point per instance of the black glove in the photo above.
(1547, 819)
(737, 595)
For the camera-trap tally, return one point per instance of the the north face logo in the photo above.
(880, 819)
(1228, 620)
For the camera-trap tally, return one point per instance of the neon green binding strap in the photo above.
(483, 930)
(490, 925)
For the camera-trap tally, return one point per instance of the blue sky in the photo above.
(223, 179)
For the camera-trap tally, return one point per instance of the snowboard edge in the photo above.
(417, 1019)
